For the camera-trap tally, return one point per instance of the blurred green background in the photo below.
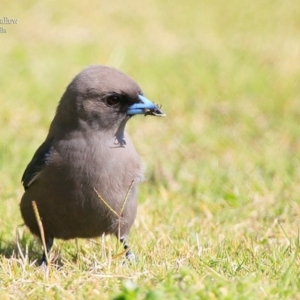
(222, 169)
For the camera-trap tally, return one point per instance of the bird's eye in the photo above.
(113, 100)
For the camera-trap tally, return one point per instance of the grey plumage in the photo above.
(87, 148)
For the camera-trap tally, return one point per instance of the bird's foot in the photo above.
(130, 257)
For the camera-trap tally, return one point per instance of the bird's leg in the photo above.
(129, 254)
(49, 243)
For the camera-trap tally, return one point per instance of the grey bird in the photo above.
(80, 176)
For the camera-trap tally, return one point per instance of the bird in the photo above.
(83, 178)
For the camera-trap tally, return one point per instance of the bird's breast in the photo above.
(98, 163)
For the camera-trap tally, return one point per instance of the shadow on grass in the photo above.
(8, 248)
(21, 247)
(27, 248)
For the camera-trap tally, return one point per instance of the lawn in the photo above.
(219, 210)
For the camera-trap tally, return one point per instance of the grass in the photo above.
(219, 210)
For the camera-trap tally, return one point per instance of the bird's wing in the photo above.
(38, 162)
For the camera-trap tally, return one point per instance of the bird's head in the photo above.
(102, 98)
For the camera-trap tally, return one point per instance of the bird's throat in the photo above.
(120, 135)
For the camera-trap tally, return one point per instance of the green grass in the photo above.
(219, 210)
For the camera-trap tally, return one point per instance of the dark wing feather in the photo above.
(38, 162)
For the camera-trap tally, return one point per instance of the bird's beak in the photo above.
(145, 107)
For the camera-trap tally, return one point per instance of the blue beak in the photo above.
(145, 107)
